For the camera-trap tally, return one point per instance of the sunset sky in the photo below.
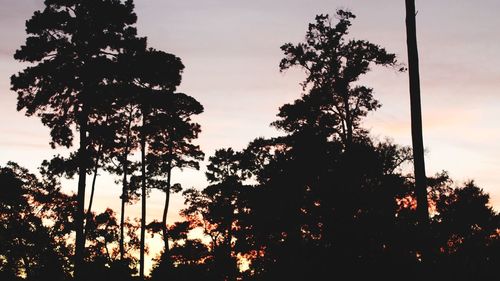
(231, 52)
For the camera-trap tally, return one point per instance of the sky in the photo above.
(231, 52)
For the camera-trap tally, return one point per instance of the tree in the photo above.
(156, 76)
(125, 116)
(101, 146)
(72, 47)
(103, 253)
(315, 207)
(330, 166)
(171, 146)
(332, 65)
(126, 144)
(416, 122)
(189, 259)
(466, 230)
(215, 209)
(29, 248)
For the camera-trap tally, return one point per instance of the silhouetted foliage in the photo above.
(216, 209)
(30, 248)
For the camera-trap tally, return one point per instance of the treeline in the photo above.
(322, 201)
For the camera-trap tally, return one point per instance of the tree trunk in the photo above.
(143, 191)
(165, 211)
(233, 266)
(124, 197)
(91, 199)
(416, 115)
(418, 144)
(92, 189)
(122, 210)
(80, 212)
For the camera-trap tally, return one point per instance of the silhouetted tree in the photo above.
(125, 142)
(72, 46)
(189, 259)
(124, 116)
(103, 252)
(29, 248)
(332, 63)
(129, 143)
(465, 231)
(215, 209)
(171, 145)
(316, 207)
(156, 74)
(39, 224)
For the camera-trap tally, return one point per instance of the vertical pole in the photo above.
(417, 138)
(416, 115)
